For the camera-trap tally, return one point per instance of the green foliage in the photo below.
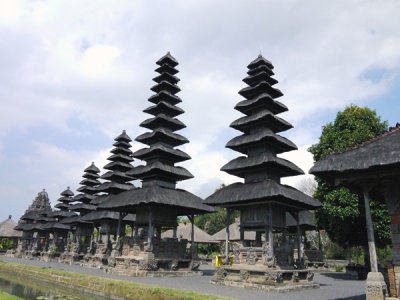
(214, 222)
(6, 243)
(343, 212)
(338, 268)
(334, 251)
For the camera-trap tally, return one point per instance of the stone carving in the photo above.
(268, 259)
(148, 265)
(220, 273)
(310, 276)
(277, 277)
(251, 257)
(295, 277)
(244, 274)
(236, 253)
(194, 265)
(174, 265)
(136, 250)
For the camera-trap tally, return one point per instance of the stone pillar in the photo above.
(299, 254)
(392, 199)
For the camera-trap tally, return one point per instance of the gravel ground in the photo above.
(332, 285)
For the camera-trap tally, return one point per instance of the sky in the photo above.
(74, 74)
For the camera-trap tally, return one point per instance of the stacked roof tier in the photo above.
(117, 179)
(260, 167)
(63, 212)
(161, 155)
(87, 191)
(160, 175)
(119, 165)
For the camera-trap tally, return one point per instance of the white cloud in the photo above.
(84, 68)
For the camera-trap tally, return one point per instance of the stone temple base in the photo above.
(260, 277)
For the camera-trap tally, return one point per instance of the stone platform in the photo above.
(261, 277)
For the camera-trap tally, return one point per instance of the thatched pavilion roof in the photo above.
(376, 155)
(7, 229)
(234, 233)
(184, 231)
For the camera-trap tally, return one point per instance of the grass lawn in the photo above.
(120, 288)
(5, 296)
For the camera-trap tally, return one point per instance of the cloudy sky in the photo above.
(74, 74)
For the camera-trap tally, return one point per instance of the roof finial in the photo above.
(260, 55)
(123, 131)
(92, 163)
(9, 216)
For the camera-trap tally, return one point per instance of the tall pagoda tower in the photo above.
(161, 156)
(262, 200)
(88, 191)
(158, 203)
(116, 182)
(59, 230)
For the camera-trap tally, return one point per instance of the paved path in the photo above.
(332, 285)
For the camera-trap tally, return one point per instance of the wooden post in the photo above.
(270, 235)
(192, 236)
(174, 231)
(150, 231)
(299, 254)
(370, 232)
(119, 225)
(319, 240)
(228, 213)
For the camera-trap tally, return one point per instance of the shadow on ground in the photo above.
(340, 276)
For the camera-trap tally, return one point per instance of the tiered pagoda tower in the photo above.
(116, 182)
(31, 223)
(262, 200)
(158, 203)
(88, 191)
(161, 155)
(58, 230)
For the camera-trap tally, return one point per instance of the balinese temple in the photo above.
(116, 181)
(261, 199)
(33, 237)
(83, 230)
(158, 203)
(372, 169)
(58, 232)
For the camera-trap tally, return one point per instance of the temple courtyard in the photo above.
(332, 285)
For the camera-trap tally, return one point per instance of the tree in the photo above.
(343, 212)
(214, 222)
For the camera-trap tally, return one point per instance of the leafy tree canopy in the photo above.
(214, 222)
(343, 212)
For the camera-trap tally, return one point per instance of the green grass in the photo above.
(5, 296)
(120, 288)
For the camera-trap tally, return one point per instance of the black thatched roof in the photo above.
(380, 154)
(244, 165)
(167, 59)
(82, 207)
(67, 193)
(161, 120)
(162, 135)
(100, 215)
(263, 101)
(92, 169)
(74, 221)
(265, 136)
(183, 201)
(163, 106)
(61, 214)
(306, 221)
(158, 169)
(114, 188)
(120, 157)
(25, 227)
(123, 137)
(117, 176)
(261, 192)
(260, 61)
(159, 150)
(263, 117)
(85, 198)
(55, 226)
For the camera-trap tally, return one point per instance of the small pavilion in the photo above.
(9, 234)
(372, 169)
